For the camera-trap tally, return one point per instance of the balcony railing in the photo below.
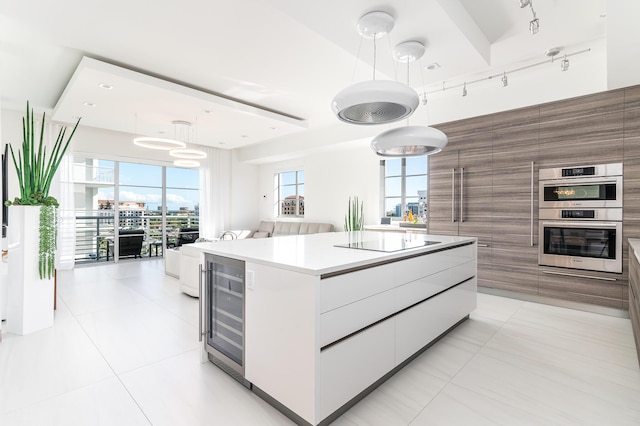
(95, 234)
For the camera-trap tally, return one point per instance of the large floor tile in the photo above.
(137, 335)
(104, 403)
(398, 400)
(182, 391)
(95, 296)
(47, 364)
(556, 396)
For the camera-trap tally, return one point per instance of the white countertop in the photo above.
(315, 254)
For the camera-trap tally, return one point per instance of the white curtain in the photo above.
(215, 199)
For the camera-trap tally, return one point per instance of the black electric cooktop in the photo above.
(389, 245)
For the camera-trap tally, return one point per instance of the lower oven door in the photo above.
(595, 246)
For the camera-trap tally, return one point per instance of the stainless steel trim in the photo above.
(612, 169)
(531, 220)
(453, 195)
(461, 194)
(581, 224)
(579, 276)
(483, 245)
(600, 215)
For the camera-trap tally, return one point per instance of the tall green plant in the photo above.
(35, 172)
(354, 219)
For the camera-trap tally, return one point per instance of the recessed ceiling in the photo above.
(110, 97)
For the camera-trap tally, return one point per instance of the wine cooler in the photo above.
(222, 308)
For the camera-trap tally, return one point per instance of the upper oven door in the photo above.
(589, 192)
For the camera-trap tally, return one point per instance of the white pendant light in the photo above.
(159, 143)
(189, 154)
(409, 141)
(375, 101)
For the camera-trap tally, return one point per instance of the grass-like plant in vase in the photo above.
(35, 170)
(354, 219)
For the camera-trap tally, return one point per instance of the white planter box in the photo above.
(29, 298)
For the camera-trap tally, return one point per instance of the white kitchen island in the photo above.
(324, 325)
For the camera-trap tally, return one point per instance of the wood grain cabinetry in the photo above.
(634, 295)
(497, 152)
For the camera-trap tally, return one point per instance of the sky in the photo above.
(143, 183)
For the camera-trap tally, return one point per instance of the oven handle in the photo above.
(583, 224)
(578, 181)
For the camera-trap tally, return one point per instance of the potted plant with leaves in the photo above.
(35, 167)
(354, 218)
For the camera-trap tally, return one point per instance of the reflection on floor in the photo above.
(123, 351)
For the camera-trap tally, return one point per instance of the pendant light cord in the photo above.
(374, 55)
(355, 66)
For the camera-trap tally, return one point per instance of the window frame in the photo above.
(403, 187)
(299, 205)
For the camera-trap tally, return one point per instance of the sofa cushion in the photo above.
(266, 226)
(259, 234)
(286, 228)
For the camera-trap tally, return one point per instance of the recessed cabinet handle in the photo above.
(531, 204)
(462, 194)
(579, 276)
(453, 195)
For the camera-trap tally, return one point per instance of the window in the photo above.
(289, 193)
(404, 187)
(158, 200)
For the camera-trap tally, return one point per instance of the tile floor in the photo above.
(124, 351)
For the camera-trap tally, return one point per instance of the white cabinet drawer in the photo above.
(354, 364)
(419, 325)
(343, 321)
(347, 288)
(421, 266)
(422, 288)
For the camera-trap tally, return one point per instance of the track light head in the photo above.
(524, 3)
(564, 64)
(505, 81)
(534, 26)
(464, 89)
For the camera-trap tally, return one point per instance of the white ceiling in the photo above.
(264, 68)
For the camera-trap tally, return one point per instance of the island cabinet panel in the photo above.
(343, 321)
(435, 316)
(343, 289)
(354, 364)
(281, 343)
(430, 285)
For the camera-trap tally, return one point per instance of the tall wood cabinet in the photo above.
(488, 177)
(460, 185)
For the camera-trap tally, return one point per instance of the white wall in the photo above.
(330, 178)
(244, 191)
(112, 145)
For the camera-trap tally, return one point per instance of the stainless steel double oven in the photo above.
(580, 214)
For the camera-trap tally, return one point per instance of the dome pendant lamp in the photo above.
(375, 101)
(409, 141)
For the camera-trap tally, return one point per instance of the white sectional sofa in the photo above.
(190, 253)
